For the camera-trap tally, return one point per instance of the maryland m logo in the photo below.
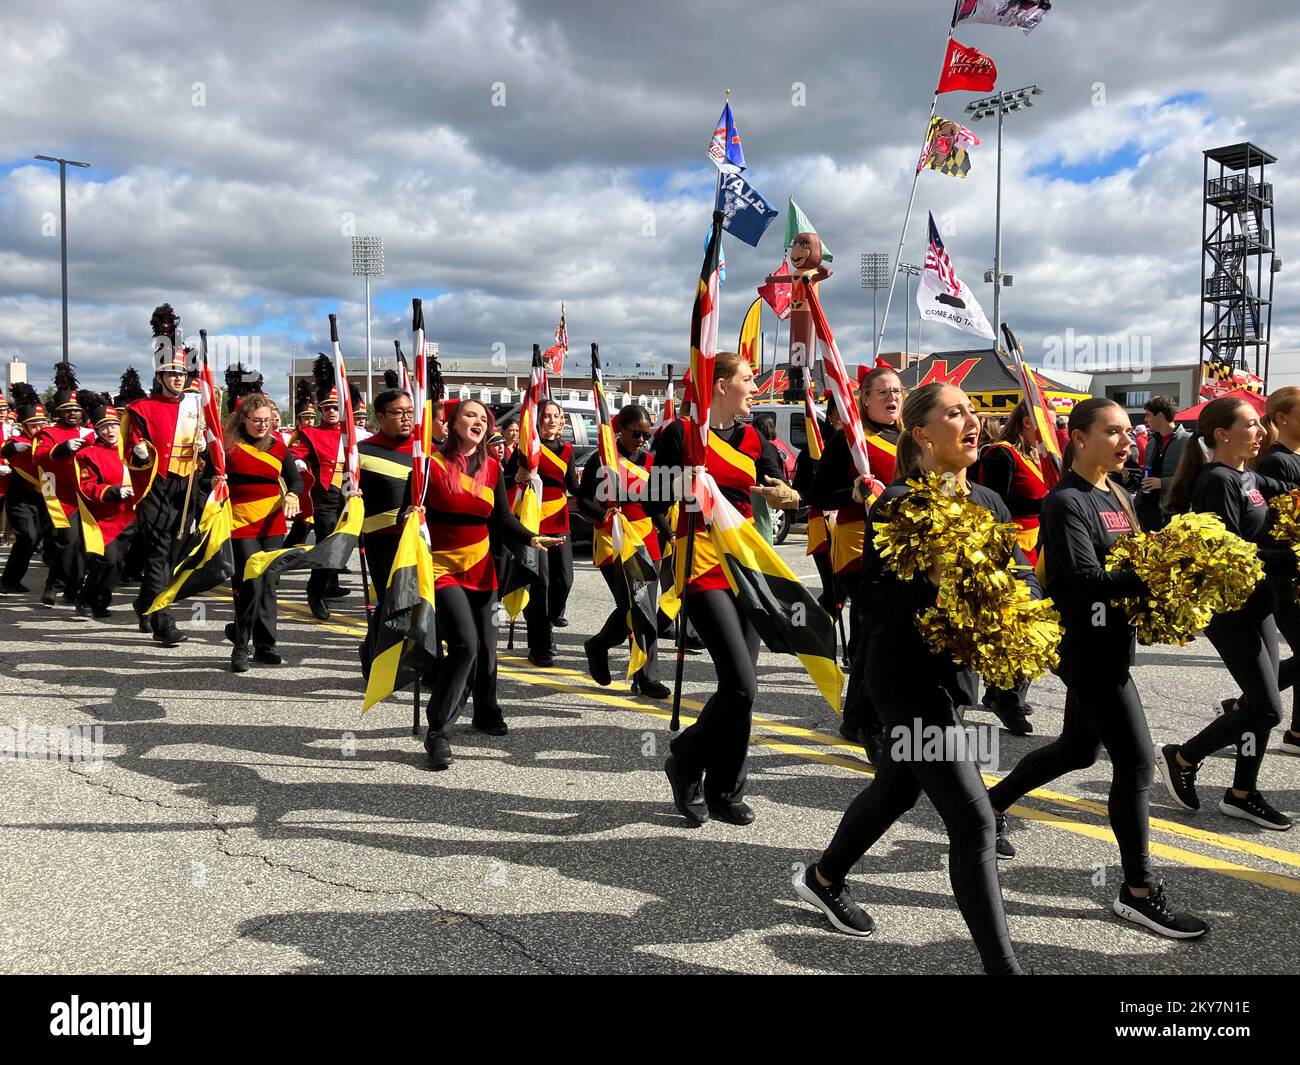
(939, 372)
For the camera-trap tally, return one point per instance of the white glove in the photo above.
(202, 444)
(75, 445)
(19, 445)
(4, 471)
(300, 464)
(140, 452)
(127, 492)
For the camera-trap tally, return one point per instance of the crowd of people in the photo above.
(106, 488)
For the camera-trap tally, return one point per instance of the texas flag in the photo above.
(966, 68)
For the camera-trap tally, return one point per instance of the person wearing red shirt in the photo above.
(24, 504)
(304, 418)
(56, 449)
(107, 505)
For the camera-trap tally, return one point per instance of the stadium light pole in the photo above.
(874, 275)
(63, 232)
(1000, 104)
(368, 262)
(911, 270)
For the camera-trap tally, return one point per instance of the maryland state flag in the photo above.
(207, 557)
(332, 552)
(785, 614)
(407, 622)
(522, 569)
(945, 148)
(1049, 447)
(628, 554)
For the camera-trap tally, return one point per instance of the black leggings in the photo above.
(101, 576)
(255, 605)
(859, 711)
(615, 630)
(717, 745)
(25, 522)
(957, 791)
(1097, 715)
(1286, 616)
(1247, 642)
(467, 625)
(548, 595)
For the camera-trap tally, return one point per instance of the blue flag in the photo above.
(724, 146)
(748, 214)
(722, 255)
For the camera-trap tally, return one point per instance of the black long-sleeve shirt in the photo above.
(899, 660)
(669, 452)
(595, 510)
(1079, 525)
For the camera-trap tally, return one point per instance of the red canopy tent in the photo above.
(1254, 398)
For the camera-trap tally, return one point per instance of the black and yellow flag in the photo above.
(207, 557)
(330, 553)
(407, 621)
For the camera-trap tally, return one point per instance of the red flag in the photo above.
(777, 295)
(966, 68)
(1051, 458)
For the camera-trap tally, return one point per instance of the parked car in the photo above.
(789, 421)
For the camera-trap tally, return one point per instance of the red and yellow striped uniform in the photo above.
(457, 520)
(637, 481)
(1028, 486)
(256, 491)
(734, 467)
(553, 468)
(851, 521)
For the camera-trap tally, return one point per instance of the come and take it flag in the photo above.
(943, 297)
(966, 68)
(945, 148)
(207, 558)
(632, 563)
(408, 619)
(749, 334)
(748, 214)
(1017, 14)
(797, 222)
(725, 149)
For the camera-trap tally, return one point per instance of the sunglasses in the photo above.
(640, 434)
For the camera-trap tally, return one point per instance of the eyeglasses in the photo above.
(260, 421)
(640, 434)
(884, 393)
(402, 413)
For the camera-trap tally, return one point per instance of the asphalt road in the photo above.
(258, 823)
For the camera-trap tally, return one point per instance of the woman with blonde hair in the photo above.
(264, 491)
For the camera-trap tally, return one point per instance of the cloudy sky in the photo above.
(516, 154)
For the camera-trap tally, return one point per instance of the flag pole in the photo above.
(676, 723)
(911, 199)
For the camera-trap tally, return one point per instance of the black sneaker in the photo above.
(651, 689)
(835, 902)
(83, 611)
(439, 750)
(1006, 849)
(597, 662)
(319, 610)
(734, 813)
(266, 656)
(337, 592)
(1012, 717)
(1180, 782)
(560, 623)
(14, 589)
(1153, 912)
(1254, 807)
(47, 597)
(1290, 742)
(239, 660)
(492, 728)
(170, 636)
(540, 660)
(101, 613)
(688, 794)
(873, 742)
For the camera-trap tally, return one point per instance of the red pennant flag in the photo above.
(966, 68)
(777, 295)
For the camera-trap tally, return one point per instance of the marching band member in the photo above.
(1082, 517)
(107, 508)
(633, 425)
(910, 686)
(24, 504)
(264, 492)
(465, 509)
(56, 449)
(707, 766)
(304, 410)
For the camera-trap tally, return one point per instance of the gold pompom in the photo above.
(1286, 524)
(984, 617)
(1194, 569)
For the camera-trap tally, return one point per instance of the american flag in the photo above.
(937, 262)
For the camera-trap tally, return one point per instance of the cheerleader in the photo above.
(837, 487)
(465, 510)
(549, 593)
(627, 496)
(912, 686)
(264, 492)
(707, 766)
(1009, 466)
(1246, 639)
(1082, 517)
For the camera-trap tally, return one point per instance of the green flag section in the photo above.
(797, 222)
(207, 558)
(785, 614)
(524, 567)
(332, 552)
(407, 622)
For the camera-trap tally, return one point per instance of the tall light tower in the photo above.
(368, 262)
(1000, 104)
(63, 232)
(911, 270)
(875, 276)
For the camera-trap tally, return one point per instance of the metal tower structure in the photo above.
(1237, 264)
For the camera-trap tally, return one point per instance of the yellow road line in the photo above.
(576, 682)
